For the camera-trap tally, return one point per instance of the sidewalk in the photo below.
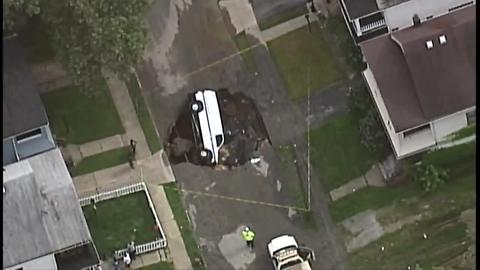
(128, 116)
(286, 27)
(372, 177)
(152, 170)
(175, 242)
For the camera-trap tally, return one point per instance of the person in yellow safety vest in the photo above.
(248, 236)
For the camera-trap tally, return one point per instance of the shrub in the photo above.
(372, 134)
(428, 176)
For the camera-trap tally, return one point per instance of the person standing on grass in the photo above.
(248, 236)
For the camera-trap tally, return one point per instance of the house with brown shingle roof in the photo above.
(422, 79)
(367, 19)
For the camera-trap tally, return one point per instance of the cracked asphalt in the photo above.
(189, 35)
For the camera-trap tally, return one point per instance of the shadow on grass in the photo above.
(78, 117)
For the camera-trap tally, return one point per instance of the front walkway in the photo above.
(372, 177)
(152, 169)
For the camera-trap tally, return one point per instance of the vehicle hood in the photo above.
(281, 242)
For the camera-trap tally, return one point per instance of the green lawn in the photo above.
(447, 239)
(337, 154)
(305, 60)
(143, 115)
(441, 224)
(459, 161)
(101, 161)
(80, 118)
(281, 17)
(119, 221)
(159, 266)
(370, 198)
(243, 43)
(175, 201)
(447, 236)
(36, 41)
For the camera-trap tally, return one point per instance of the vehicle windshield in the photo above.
(290, 263)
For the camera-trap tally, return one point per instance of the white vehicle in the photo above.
(207, 123)
(287, 255)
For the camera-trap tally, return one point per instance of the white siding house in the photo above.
(424, 93)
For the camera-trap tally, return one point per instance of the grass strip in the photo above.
(101, 161)
(159, 266)
(143, 115)
(178, 209)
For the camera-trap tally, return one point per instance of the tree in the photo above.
(90, 36)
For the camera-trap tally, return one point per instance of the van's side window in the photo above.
(219, 139)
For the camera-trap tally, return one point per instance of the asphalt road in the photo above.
(187, 39)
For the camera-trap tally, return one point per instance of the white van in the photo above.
(207, 124)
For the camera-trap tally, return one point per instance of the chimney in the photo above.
(416, 20)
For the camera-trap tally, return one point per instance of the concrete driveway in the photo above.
(193, 48)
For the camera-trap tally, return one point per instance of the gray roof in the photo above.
(41, 213)
(383, 4)
(359, 8)
(420, 85)
(22, 107)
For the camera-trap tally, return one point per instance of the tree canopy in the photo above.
(89, 36)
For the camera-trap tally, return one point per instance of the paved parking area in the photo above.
(187, 38)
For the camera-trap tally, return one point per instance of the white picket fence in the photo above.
(103, 196)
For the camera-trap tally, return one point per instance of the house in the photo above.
(43, 223)
(25, 124)
(370, 18)
(422, 79)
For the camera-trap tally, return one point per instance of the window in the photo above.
(219, 139)
(29, 135)
(416, 130)
(471, 117)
